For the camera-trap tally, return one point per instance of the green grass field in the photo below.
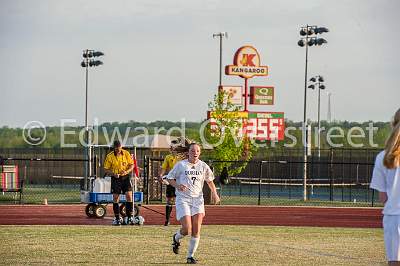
(219, 245)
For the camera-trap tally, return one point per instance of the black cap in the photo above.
(117, 144)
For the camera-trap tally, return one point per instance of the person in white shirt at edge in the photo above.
(188, 178)
(386, 179)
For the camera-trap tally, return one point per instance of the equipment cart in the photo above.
(99, 196)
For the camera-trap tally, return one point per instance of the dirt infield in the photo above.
(233, 215)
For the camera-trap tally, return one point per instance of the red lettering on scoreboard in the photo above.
(258, 125)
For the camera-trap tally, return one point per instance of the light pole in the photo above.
(318, 82)
(87, 62)
(329, 114)
(220, 35)
(309, 40)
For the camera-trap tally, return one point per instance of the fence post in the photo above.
(144, 172)
(161, 183)
(259, 191)
(373, 196)
(210, 164)
(146, 178)
(95, 160)
(149, 180)
(21, 197)
(331, 175)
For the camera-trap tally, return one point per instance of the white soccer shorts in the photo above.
(391, 235)
(189, 207)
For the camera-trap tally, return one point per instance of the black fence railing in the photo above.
(55, 175)
(281, 182)
(338, 177)
(274, 177)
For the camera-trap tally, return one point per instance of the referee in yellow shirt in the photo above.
(178, 151)
(119, 164)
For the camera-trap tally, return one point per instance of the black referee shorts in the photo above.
(170, 192)
(121, 185)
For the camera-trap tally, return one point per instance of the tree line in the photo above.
(338, 131)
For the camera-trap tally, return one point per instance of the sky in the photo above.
(162, 63)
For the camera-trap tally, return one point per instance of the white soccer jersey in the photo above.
(387, 180)
(192, 176)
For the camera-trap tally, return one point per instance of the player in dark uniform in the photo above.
(179, 150)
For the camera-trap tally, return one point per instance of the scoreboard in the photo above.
(257, 125)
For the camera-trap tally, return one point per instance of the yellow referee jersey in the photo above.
(118, 164)
(169, 161)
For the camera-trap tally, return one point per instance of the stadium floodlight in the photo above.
(320, 30)
(91, 63)
(91, 53)
(303, 32)
(86, 63)
(320, 41)
(318, 83)
(98, 53)
(220, 35)
(95, 63)
(307, 40)
(312, 41)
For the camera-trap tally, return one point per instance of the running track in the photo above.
(224, 215)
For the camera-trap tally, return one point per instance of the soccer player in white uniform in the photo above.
(386, 179)
(188, 177)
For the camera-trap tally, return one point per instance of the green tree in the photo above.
(224, 136)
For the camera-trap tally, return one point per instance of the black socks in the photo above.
(168, 210)
(116, 210)
(129, 208)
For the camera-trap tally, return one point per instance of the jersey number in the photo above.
(193, 179)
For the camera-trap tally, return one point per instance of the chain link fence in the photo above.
(338, 177)
(55, 175)
(274, 177)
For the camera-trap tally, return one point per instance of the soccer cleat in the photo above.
(116, 222)
(166, 223)
(191, 261)
(175, 245)
(130, 221)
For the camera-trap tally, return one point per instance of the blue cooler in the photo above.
(108, 197)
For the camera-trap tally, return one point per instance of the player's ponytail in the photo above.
(392, 148)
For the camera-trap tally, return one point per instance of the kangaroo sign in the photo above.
(246, 64)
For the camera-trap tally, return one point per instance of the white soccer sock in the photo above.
(193, 244)
(178, 236)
